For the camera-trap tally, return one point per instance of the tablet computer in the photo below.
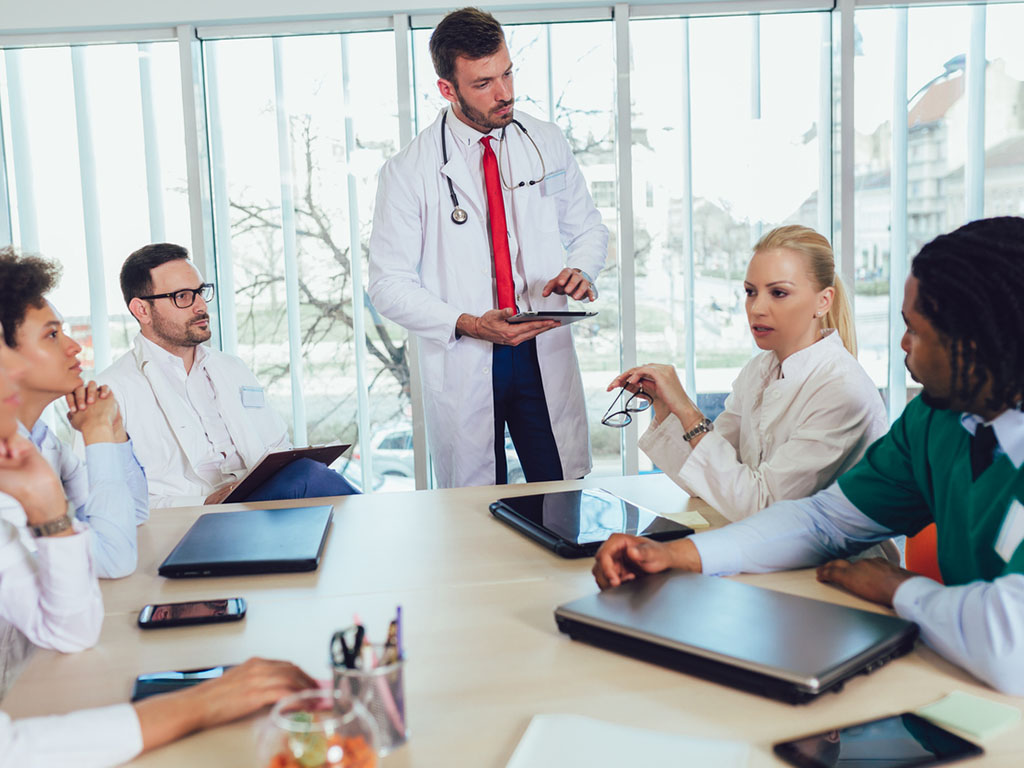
(562, 316)
(271, 463)
(577, 523)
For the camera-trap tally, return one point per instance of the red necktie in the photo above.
(499, 230)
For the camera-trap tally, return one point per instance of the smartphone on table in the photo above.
(194, 612)
(156, 683)
(899, 741)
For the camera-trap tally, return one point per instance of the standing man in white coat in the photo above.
(481, 216)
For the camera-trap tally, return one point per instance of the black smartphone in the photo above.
(899, 741)
(196, 612)
(165, 682)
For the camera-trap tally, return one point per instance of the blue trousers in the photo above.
(303, 479)
(519, 402)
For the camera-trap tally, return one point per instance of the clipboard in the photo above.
(564, 317)
(273, 462)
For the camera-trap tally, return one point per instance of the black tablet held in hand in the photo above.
(577, 523)
(563, 316)
(900, 741)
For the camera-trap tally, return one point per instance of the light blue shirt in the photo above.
(979, 626)
(108, 491)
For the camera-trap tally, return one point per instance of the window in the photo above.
(603, 193)
(96, 168)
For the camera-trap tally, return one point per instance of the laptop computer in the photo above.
(773, 644)
(577, 523)
(251, 541)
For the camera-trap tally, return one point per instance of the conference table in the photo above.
(483, 652)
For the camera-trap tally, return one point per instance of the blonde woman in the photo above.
(800, 413)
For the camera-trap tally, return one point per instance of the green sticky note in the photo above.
(972, 715)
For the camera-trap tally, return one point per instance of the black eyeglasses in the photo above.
(637, 402)
(186, 297)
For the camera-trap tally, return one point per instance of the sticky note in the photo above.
(972, 715)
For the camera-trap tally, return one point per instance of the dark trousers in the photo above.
(303, 479)
(519, 402)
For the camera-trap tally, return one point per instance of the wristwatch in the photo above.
(705, 425)
(51, 527)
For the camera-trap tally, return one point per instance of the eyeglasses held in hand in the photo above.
(186, 297)
(637, 402)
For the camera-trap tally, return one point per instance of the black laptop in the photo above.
(777, 645)
(251, 541)
(577, 523)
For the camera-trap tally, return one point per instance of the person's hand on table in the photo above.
(493, 326)
(873, 578)
(220, 494)
(624, 557)
(240, 691)
(572, 283)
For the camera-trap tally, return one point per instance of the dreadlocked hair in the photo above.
(971, 289)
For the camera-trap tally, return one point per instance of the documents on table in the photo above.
(974, 716)
(575, 741)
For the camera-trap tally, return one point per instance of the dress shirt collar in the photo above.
(800, 363)
(466, 135)
(152, 352)
(1009, 429)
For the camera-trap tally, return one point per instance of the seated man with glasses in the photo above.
(198, 417)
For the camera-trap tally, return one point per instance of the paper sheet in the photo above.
(972, 715)
(575, 741)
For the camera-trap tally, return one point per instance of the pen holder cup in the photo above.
(382, 691)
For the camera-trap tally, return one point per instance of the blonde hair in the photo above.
(821, 264)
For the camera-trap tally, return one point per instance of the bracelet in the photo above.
(51, 527)
(705, 425)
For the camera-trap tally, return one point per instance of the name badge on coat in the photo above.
(553, 183)
(1012, 533)
(252, 397)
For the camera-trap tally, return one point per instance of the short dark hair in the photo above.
(971, 289)
(136, 279)
(24, 282)
(467, 32)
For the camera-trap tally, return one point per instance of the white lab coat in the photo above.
(425, 271)
(780, 436)
(167, 434)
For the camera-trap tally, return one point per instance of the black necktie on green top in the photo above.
(983, 446)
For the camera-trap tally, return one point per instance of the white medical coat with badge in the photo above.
(167, 433)
(426, 271)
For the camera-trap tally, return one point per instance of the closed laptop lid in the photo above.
(806, 642)
(251, 541)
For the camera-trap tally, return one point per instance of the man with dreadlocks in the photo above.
(954, 458)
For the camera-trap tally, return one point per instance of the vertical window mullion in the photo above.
(898, 221)
(356, 260)
(221, 203)
(847, 144)
(151, 146)
(6, 225)
(288, 237)
(974, 169)
(627, 265)
(403, 80)
(197, 166)
(90, 212)
(824, 130)
(21, 146)
(686, 137)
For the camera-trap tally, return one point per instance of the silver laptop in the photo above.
(778, 645)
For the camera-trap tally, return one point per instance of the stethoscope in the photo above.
(459, 215)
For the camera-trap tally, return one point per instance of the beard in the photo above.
(190, 335)
(485, 119)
